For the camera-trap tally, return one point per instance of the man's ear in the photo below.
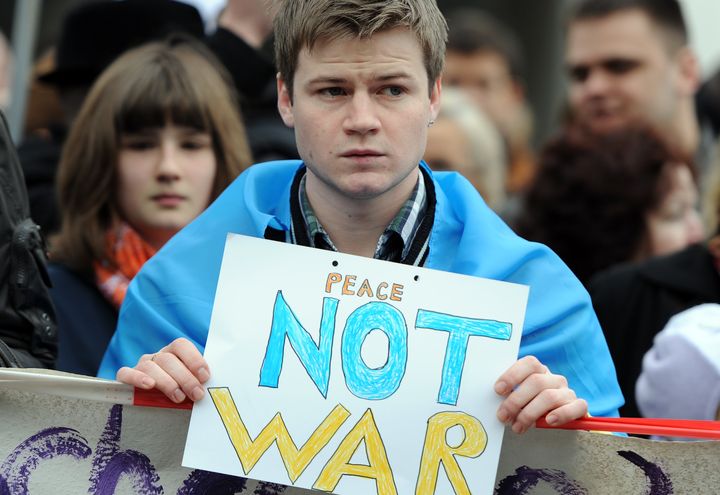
(518, 91)
(285, 106)
(435, 97)
(688, 71)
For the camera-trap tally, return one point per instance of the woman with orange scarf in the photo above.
(156, 140)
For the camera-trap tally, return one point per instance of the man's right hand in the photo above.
(178, 370)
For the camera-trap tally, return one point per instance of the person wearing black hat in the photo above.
(156, 140)
(92, 36)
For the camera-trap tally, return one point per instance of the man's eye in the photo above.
(393, 91)
(620, 66)
(332, 91)
(578, 74)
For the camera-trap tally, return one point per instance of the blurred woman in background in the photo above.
(603, 199)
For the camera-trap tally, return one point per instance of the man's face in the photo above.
(360, 109)
(621, 70)
(485, 77)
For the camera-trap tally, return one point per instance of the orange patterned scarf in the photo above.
(126, 253)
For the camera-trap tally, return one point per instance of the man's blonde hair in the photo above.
(302, 23)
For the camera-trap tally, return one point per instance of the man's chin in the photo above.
(364, 187)
(606, 124)
(363, 193)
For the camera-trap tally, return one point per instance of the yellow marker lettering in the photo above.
(378, 468)
(436, 451)
(250, 451)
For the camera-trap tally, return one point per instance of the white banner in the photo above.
(57, 444)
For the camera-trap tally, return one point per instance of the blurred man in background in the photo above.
(629, 60)
(485, 59)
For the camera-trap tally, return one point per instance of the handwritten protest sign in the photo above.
(352, 375)
(67, 445)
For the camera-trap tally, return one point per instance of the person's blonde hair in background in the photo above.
(465, 140)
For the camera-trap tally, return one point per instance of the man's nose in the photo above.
(361, 115)
(597, 83)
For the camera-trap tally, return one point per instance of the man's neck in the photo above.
(355, 225)
(686, 132)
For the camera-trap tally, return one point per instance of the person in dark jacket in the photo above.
(635, 302)
(27, 320)
(156, 140)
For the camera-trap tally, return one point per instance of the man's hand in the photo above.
(531, 391)
(178, 370)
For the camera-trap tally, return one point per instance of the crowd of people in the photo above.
(337, 124)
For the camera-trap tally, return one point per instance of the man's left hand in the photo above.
(531, 391)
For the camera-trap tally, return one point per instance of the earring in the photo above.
(430, 124)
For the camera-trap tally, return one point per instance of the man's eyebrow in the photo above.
(341, 80)
(571, 64)
(621, 60)
(393, 75)
(579, 67)
(326, 80)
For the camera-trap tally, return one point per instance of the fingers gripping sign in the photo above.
(532, 391)
(178, 370)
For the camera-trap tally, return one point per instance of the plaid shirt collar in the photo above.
(394, 243)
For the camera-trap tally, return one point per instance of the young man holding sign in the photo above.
(359, 80)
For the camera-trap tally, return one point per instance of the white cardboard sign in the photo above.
(352, 375)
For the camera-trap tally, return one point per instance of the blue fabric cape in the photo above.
(173, 294)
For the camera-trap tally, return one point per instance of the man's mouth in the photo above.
(362, 155)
